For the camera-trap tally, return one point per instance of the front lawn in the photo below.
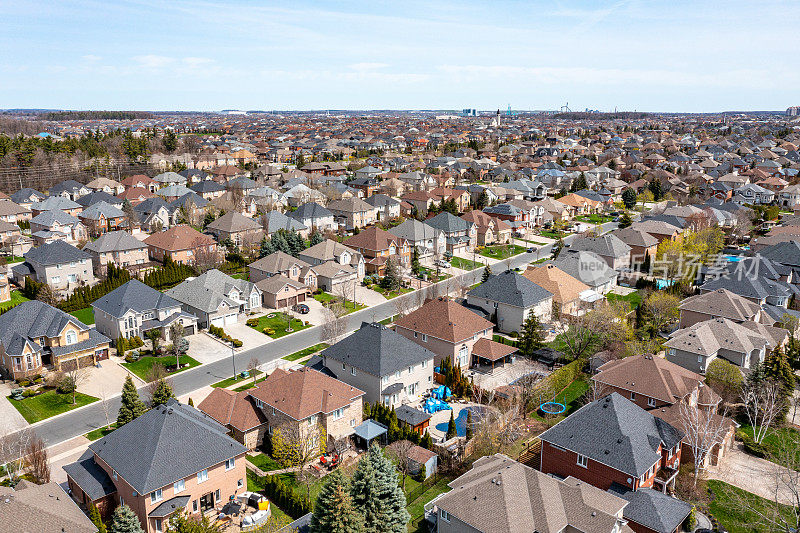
(238, 379)
(726, 506)
(49, 403)
(306, 351)
(432, 277)
(85, 315)
(326, 298)
(773, 441)
(465, 264)
(390, 294)
(552, 234)
(594, 218)
(502, 251)
(142, 367)
(278, 325)
(99, 433)
(264, 462)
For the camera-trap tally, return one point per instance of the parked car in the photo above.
(530, 249)
(301, 308)
(441, 263)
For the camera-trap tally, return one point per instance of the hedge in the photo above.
(285, 497)
(220, 334)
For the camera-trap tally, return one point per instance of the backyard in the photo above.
(416, 508)
(571, 396)
(277, 323)
(325, 298)
(16, 298)
(144, 365)
(85, 315)
(502, 251)
(264, 462)
(49, 403)
(633, 299)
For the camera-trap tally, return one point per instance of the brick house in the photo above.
(238, 412)
(156, 476)
(613, 440)
(378, 246)
(180, 243)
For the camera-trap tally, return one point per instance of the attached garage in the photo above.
(230, 319)
(218, 321)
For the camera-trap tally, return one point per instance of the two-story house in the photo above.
(387, 366)
(512, 298)
(12, 212)
(314, 216)
(721, 303)
(613, 440)
(134, 308)
(460, 235)
(117, 247)
(387, 207)
(217, 299)
(59, 225)
(170, 458)
(103, 217)
(181, 243)
(610, 248)
(34, 335)
(334, 253)
(236, 227)
(429, 242)
(353, 212)
(58, 264)
(281, 263)
(379, 246)
(446, 328)
(490, 229)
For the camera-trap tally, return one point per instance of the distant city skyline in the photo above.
(207, 56)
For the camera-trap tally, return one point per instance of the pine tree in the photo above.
(532, 337)
(391, 278)
(376, 491)
(132, 406)
(317, 238)
(334, 511)
(451, 428)
(426, 441)
(487, 271)
(469, 424)
(625, 221)
(162, 393)
(97, 520)
(629, 198)
(125, 521)
(415, 261)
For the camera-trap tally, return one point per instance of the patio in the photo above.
(506, 374)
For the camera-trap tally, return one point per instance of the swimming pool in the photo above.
(461, 420)
(732, 258)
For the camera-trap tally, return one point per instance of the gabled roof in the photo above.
(310, 210)
(448, 223)
(101, 209)
(48, 218)
(180, 237)
(134, 295)
(53, 202)
(373, 238)
(708, 337)
(413, 231)
(350, 205)
(275, 220)
(605, 246)
(564, 287)
(32, 320)
(652, 509)
(303, 393)
(512, 289)
(654, 377)
(444, 319)
(144, 451)
(209, 290)
(115, 241)
(277, 262)
(587, 267)
(43, 508)
(377, 350)
(231, 408)
(723, 303)
(635, 237)
(55, 253)
(615, 432)
(233, 222)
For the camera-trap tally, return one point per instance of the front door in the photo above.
(207, 502)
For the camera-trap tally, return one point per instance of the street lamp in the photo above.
(233, 360)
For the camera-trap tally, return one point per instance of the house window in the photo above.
(415, 334)
(337, 414)
(462, 355)
(216, 495)
(178, 486)
(583, 461)
(312, 419)
(344, 366)
(651, 402)
(411, 369)
(273, 410)
(385, 379)
(699, 358)
(158, 525)
(72, 337)
(114, 475)
(56, 279)
(444, 515)
(202, 476)
(353, 371)
(156, 496)
(633, 396)
(240, 484)
(424, 338)
(424, 364)
(230, 463)
(352, 422)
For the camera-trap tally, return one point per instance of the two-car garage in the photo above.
(224, 320)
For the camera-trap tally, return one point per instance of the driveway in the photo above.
(207, 350)
(749, 473)
(10, 419)
(107, 380)
(250, 337)
(368, 297)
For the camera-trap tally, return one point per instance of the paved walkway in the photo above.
(750, 473)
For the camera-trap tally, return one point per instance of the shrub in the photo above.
(24, 383)
(691, 521)
(269, 331)
(66, 385)
(237, 343)
(130, 358)
(252, 322)
(750, 446)
(514, 334)
(38, 379)
(27, 393)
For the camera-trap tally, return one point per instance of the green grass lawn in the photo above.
(325, 298)
(250, 384)
(735, 519)
(774, 439)
(633, 299)
(572, 397)
(142, 367)
(278, 324)
(552, 234)
(390, 294)
(417, 508)
(238, 379)
(48, 404)
(14, 259)
(502, 251)
(594, 218)
(465, 264)
(530, 241)
(306, 351)
(85, 315)
(431, 272)
(16, 298)
(100, 432)
(264, 462)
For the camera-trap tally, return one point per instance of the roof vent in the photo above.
(594, 513)
(169, 411)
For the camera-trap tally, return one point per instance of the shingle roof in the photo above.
(48, 218)
(41, 508)
(652, 509)
(605, 245)
(448, 223)
(723, 303)
(209, 290)
(565, 288)
(512, 289)
(134, 295)
(233, 222)
(275, 220)
(708, 337)
(92, 479)
(377, 350)
(654, 377)
(115, 241)
(178, 238)
(586, 267)
(101, 209)
(55, 253)
(236, 409)
(444, 319)
(165, 444)
(373, 238)
(411, 416)
(616, 432)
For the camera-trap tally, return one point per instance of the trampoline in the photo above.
(552, 408)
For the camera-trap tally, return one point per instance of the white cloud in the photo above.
(153, 61)
(197, 61)
(91, 58)
(363, 67)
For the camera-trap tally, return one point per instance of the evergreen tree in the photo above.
(625, 220)
(132, 406)
(317, 238)
(487, 271)
(451, 428)
(557, 247)
(655, 188)
(162, 393)
(482, 201)
(334, 511)
(532, 337)
(426, 441)
(646, 264)
(125, 521)
(469, 424)
(97, 520)
(629, 198)
(415, 261)
(391, 278)
(376, 491)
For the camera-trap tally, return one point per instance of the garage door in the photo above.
(230, 319)
(218, 321)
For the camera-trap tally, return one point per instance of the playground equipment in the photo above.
(552, 408)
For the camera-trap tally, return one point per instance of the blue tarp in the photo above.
(441, 392)
(433, 405)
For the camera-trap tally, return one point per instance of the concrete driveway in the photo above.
(107, 380)
(207, 350)
(250, 337)
(368, 297)
(749, 473)
(10, 419)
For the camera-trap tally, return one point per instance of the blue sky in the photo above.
(661, 55)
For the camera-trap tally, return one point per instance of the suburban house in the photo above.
(134, 308)
(742, 344)
(11, 212)
(305, 398)
(334, 253)
(103, 217)
(155, 214)
(721, 303)
(106, 185)
(34, 335)
(238, 412)
(59, 264)
(641, 243)
(275, 220)
(47, 506)
(490, 230)
(661, 230)
(314, 216)
(387, 366)
(142, 181)
(589, 268)
(119, 248)
(217, 299)
(12, 240)
(446, 328)
(142, 473)
(282, 264)
(612, 440)
(460, 235)
(651, 511)
(664, 388)
(387, 207)
(49, 204)
(181, 243)
(236, 227)
(501, 495)
(428, 241)
(59, 225)
(511, 298)
(611, 249)
(379, 246)
(571, 297)
(353, 212)
(280, 292)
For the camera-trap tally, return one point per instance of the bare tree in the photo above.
(13, 449)
(402, 305)
(399, 451)
(176, 332)
(105, 405)
(36, 457)
(703, 430)
(333, 327)
(77, 375)
(762, 404)
(297, 444)
(252, 366)
(596, 391)
(206, 258)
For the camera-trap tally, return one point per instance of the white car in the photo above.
(441, 263)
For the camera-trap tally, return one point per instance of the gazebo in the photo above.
(486, 354)
(369, 430)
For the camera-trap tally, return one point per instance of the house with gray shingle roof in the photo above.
(64, 225)
(102, 217)
(429, 242)
(460, 235)
(314, 216)
(170, 458)
(59, 264)
(217, 299)
(611, 248)
(118, 247)
(513, 298)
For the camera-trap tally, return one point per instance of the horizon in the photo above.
(200, 56)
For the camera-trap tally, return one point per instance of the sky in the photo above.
(660, 55)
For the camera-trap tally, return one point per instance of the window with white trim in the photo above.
(583, 461)
(424, 337)
(194, 506)
(202, 476)
(156, 496)
(353, 371)
(444, 515)
(337, 414)
(240, 484)
(178, 486)
(312, 420)
(72, 337)
(633, 396)
(230, 463)
(651, 402)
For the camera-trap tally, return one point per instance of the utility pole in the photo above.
(233, 361)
